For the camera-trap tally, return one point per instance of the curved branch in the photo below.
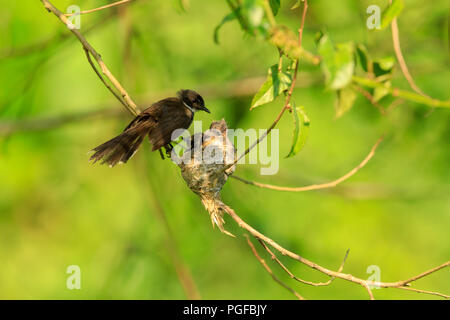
(401, 60)
(126, 99)
(288, 96)
(99, 8)
(315, 284)
(267, 268)
(316, 186)
(404, 94)
(367, 284)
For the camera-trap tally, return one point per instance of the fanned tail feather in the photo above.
(120, 148)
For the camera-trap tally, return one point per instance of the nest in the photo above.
(206, 167)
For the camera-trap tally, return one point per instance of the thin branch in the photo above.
(371, 99)
(369, 291)
(288, 96)
(99, 8)
(348, 277)
(404, 94)
(267, 268)
(126, 99)
(316, 186)
(401, 60)
(315, 284)
(118, 97)
(425, 292)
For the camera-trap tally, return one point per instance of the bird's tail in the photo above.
(120, 148)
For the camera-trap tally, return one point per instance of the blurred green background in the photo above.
(57, 210)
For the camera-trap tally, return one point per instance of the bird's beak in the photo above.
(205, 109)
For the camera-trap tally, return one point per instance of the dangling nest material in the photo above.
(204, 168)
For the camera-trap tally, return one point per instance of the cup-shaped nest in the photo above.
(206, 166)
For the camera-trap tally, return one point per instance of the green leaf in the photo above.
(338, 63)
(382, 91)
(391, 13)
(229, 17)
(275, 6)
(383, 66)
(345, 99)
(297, 4)
(364, 57)
(275, 84)
(301, 129)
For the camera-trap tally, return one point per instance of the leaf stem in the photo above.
(407, 95)
(269, 13)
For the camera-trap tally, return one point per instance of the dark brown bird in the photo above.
(158, 122)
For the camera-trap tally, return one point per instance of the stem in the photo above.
(127, 101)
(269, 13)
(407, 95)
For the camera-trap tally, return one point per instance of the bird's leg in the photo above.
(161, 154)
(169, 149)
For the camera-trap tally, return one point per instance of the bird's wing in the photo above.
(172, 117)
(148, 117)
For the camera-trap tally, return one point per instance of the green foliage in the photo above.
(183, 5)
(382, 69)
(275, 6)
(391, 13)
(57, 210)
(297, 4)
(344, 101)
(338, 63)
(229, 17)
(301, 129)
(251, 17)
(277, 82)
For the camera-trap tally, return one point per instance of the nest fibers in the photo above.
(205, 168)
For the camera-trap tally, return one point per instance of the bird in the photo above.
(157, 122)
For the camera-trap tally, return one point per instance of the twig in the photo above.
(315, 284)
(370, 98)
(88, 56)
(99, 8)
(316, 186)
(426, 292)
(401, 60)
(264, 264)
(288, 96)
(404, 94)
(348, 277)
(126, 101)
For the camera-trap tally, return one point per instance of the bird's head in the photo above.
(192, 100)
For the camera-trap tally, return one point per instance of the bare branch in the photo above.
(401, 60)
(370, 98)
(316, 186)
(99, 8)
(264, 264)
(334, 274)
(425, 292)
(126, 99)
(288, 96)
(315, 284)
